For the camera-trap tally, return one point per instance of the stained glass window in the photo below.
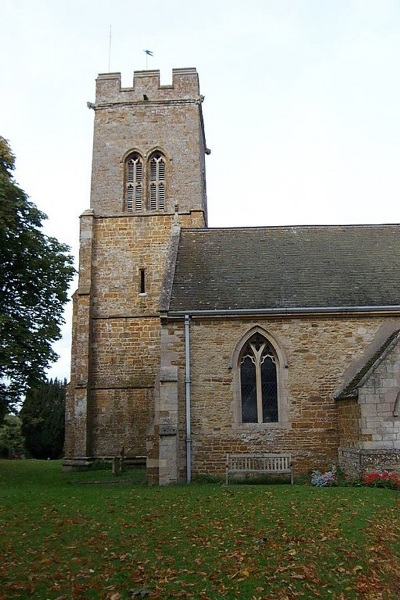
(258, 381)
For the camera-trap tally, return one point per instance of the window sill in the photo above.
(261, 426)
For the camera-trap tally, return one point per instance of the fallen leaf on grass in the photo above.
(140, 592)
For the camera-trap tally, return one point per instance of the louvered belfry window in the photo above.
(258, 381)
(134, 183)
(157, 182)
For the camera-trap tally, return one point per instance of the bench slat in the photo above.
(259, 463)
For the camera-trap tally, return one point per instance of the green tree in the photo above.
(35, 274)
(43, 420)
(11, 438)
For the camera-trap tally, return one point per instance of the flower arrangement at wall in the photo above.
(323, 479)
(386, 479)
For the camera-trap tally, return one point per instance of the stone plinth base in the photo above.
(356, 461)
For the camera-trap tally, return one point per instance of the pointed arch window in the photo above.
(133, 183)
(258, 381)
(157, 181)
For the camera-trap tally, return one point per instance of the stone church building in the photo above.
(192, 342)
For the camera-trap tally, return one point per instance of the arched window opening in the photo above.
(157, 182)
(134, 183)
(258, 381)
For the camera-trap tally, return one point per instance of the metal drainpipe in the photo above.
(188, 405)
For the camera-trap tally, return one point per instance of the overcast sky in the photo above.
(302, 101)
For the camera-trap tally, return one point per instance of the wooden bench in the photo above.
(271, 464)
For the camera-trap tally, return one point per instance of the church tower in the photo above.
(148, 178)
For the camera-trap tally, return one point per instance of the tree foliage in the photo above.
(42, 416)
(35, 274)
(11, 438)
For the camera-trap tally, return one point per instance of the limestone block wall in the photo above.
(77, 426)
(125, 352)
(123, 257)
(123, 246)
(167, 433)
(349, 422)
(69, 442)
(144, 118)
(125, 329)
(120, 417)
(380, 428)
(370, 424)
(316, 352)
(125, 362)
(116, 332)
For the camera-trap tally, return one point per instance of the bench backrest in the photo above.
(259, 462)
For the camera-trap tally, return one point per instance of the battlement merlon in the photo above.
(147, 88)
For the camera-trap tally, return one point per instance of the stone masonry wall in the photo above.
(316, 350)
(69, 443)
(349, 422)
(124, 245)
(120, 420)
(116, 328)
(125, 329)
(144, 118)
(380, 428)
(116, 337)
(77, 438)
(125, 363)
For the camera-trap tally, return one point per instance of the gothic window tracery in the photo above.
(144, 182)
(258, 381)
(133, 183)
(157, 181)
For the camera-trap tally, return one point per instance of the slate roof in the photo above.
(287, 268)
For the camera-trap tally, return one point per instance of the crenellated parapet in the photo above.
(143, 119)
(147, 87)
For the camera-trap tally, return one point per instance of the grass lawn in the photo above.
(87, 535)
